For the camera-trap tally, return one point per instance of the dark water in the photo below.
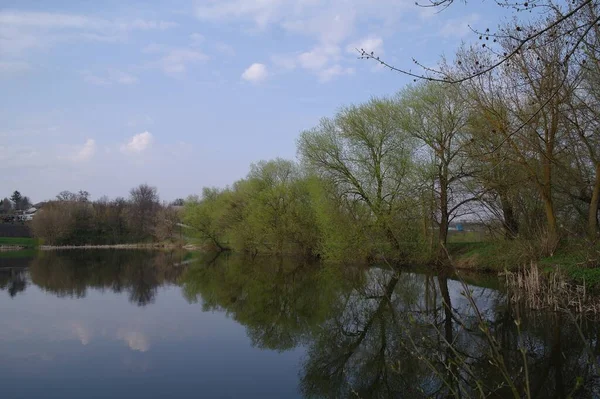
(103, 324)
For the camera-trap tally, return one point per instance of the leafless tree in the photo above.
(144, 206)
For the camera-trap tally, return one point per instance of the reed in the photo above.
(551, 291)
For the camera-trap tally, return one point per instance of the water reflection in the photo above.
(379, 333)
(13, 280)
(139, 273)
(360, 332)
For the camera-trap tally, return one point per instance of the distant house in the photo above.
(28, 214)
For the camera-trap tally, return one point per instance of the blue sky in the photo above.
(105, 95)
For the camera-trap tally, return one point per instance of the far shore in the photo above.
(188, 247)
(119, 246)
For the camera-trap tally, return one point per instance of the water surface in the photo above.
(108, 324)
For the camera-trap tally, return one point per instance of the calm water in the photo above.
(103, 324)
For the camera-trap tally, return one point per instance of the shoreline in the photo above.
(8, 248)
(118, 246)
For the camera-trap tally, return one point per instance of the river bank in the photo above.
(168, 246)
(579, 261)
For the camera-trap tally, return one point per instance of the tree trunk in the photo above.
(444, 219)
(547, 197)
(551, 220)
(511, 224)
(593, 211)
(450, 361)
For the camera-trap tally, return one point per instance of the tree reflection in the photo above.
(380, 333)
(13, 280)
(139, 273)
(280, 301)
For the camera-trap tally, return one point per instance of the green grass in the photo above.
(580, 262)
(467, 236)
(20, 241)
(488, 256)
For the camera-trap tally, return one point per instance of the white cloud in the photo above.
(138, 143)
(329, 21)
(49, 20)
(255, 73)
(85, 152)
(369, 44)
(327, 74)
(459, 27)
(122, 77)
(225, 49)
(262, 12)
(332, 24)
(196, 39)
(317, 58)
(323, 61)
(24, 30)
(284, 61)
(140, 120)
(175, 61)
(112, 76)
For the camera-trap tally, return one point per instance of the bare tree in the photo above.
(144, 206)
(7, 205)
(575, 20)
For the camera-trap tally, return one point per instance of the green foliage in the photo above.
(269, 212)
(19, 241)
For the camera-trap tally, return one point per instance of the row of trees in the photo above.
(72, 219)
(16, 202)
(516, 148)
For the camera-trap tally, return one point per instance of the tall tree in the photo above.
(367, 155)
(16, 198)
(144, 207)
(437, 116)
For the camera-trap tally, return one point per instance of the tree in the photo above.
(7, 206)
(25, 203)
(576, 21)
(16, 198)
(80, 196)
(144, 206)
(207, 216)
(166, 223)
(367, 156)
(178, 202)
(437, 117)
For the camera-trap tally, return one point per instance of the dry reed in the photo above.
(552, 291)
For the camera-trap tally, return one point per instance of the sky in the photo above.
(105, 95)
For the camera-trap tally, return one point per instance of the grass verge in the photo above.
(578, 260)
(19, 241)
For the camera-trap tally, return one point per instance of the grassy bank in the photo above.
(156, 245)
(25, 242)
(578, 260)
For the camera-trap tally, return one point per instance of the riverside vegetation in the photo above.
(384, 179)
(516, 149)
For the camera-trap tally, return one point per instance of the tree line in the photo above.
(517, 148)
(73, 219)
(16, 202)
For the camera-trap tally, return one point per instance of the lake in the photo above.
(137, 324)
